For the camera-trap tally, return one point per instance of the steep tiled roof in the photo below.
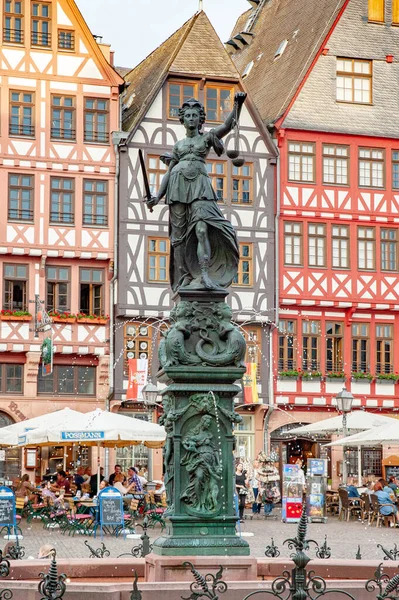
(193, 49)
(272, 82)
(123, 71)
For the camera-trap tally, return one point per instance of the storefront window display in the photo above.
(245, 438)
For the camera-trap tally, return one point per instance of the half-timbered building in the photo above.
(323, 75)
(192, 63)
(59, 104)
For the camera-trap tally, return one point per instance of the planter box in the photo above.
(361, 380)
(335, 379)
(318, 378)
(60, 320)
(386, 381)
(283, 378)
(15, 318)
(98, 321)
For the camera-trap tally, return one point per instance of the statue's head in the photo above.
(224, 311)
(192, 114)
(206, 421)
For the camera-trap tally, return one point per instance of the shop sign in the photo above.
(82, 435)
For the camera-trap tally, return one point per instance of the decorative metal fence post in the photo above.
(101, 552)
(5, 594)
(16, 552)
(199, 587)
(390, 554)
(136, 593)
(145, 547)
(52, 585)
(324, 551)
(271, 551)
(380, 580)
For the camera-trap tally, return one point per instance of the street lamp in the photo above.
(150, 394)
(344, 405)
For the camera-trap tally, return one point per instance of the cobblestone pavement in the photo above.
(343, 538)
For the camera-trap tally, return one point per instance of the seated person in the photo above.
(387, 489)
(117, 471)
(85, 491)
(393, 483)
(61, 483)
(135, 481)
(25, 489)
(93, 481)
(118, 484)
(385, 499)
(352, 490)
(79, 479)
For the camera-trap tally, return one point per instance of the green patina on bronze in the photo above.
(201, 354)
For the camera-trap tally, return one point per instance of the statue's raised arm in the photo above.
(204, 247)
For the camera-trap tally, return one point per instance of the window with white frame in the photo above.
(317, 244)
(340, 246)
(301, 161)
(354, 80)
(292, 243)
(371, 167)
(366, 248)
(335, 164)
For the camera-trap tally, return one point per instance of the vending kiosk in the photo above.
(293, 489)
(316, 486)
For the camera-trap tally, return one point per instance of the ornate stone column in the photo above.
(201, 360)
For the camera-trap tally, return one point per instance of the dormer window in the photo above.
(281, 49)
(354, 80)
(376, 11)
(41, 24)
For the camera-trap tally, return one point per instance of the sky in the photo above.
(134, 28)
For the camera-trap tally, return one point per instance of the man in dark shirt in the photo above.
(79, 479)
(61, 483)
(93, 482)
(117, 471)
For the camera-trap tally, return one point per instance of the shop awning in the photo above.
(383, 434)
(357, 420)
(9, 436)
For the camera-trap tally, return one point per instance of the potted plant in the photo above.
(362, 376)
(62, 317)
(92, 319)
(387, 378)
(292, 374)
(311, 375)
(15, 315)
(338, 376)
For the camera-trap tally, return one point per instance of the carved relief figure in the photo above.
(234, 352)
(202, 463)
(204, 247)
(171, 349)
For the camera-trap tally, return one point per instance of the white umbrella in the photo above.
(383, 434)
(9, 436)
(100, 428)
(357, 420)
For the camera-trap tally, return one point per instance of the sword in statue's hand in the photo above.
(147, 196)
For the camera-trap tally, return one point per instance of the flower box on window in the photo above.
(361, 377)
(15, 315)
(92, 319)
(335, 376)
(311, 375)
(387, 378)
(290, 375)
(61, 317)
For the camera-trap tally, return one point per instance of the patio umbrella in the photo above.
(99, 428)
(357, 421)
(383, 434)
(9, 436)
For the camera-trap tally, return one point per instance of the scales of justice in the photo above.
(202, 353)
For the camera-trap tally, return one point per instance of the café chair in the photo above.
(349, 506)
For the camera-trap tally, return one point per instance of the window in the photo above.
(156, 170)
(15, 286)
(242, 184)
(68, 380)
(335, 164)
(177, 94)
(384, 348)
(20, 197)
(66, 39)
(138, 338)
(354, 79)
(286, 345)
(158, 259)
(62, 200)
(334, 347)
(301, 162)
(95, 202)
(360, 348)
(376, 11)
(389, 249)
(91, 298)
(21, 114)
(218, 103)
(366, 248)
(63, 118)
(317, 245)
(216, 171)
(13, 31)
(11, 378)
(395, 12)
(41, 24)
(371, 167)
(96, 120)
(292, 243)
(253, 354)
(57, 288)
(311, 345)
(340, 246)
(244, 275)
(395, 168)
(372, 461)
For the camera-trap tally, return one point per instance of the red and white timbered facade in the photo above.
(59, 105)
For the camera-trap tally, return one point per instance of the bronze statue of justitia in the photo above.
(204, 247)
